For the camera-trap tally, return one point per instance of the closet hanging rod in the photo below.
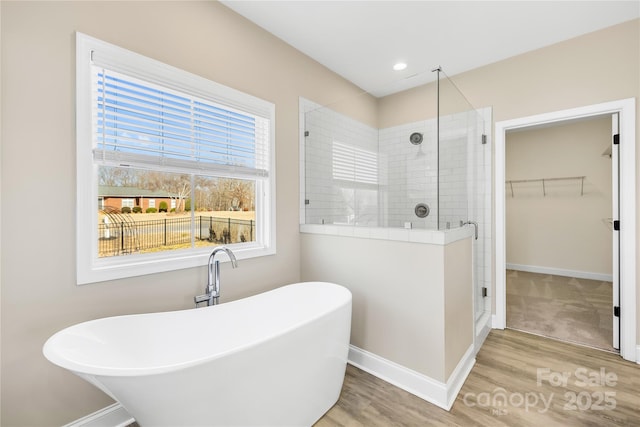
(543, 180)
(515, 181)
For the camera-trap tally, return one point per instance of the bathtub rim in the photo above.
(85, 369)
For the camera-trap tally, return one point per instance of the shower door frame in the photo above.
(627, 191)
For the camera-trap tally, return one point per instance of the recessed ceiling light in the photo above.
(400, 66)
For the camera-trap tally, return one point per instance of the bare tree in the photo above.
(243, 192)
(206, 191)
(225, 194)
(177, 186)
(117, 176)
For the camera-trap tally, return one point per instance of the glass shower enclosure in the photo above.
(433, 173)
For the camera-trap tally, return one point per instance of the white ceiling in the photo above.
(362, 40)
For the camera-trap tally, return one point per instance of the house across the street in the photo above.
(120, 197)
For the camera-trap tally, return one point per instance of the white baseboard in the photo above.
(459, 375)
(433, 391)
(561, 272)
(112, 416)
(483, 327)
(495, 324)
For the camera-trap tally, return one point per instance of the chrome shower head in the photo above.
(416, 138)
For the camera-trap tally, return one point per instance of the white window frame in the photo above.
(152, 203)
(91, 268)
(128, 203)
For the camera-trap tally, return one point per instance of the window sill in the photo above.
(114, 268)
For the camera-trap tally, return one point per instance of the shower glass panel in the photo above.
(464, 192)
(342, 169)
(454, 130)
(411, 175)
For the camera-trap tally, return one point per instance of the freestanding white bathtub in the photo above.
(274, 359)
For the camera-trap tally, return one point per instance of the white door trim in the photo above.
(627, 110)
(615, 235)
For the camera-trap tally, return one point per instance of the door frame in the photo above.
(627, 113)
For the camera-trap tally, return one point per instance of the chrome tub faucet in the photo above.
(212, 291)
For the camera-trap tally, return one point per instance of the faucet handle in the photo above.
(200, 299)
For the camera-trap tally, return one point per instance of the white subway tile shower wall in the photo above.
(411, 174)
(413, 170)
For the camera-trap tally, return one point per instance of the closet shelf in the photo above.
(546, 180)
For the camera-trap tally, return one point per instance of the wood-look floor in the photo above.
(601, 389)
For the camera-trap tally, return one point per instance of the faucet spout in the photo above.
(212, 291)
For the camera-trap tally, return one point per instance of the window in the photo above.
(146, 130)
(354, 164)
(355, 172)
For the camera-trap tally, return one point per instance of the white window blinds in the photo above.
(139, 123)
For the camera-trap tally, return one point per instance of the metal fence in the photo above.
(124, 235)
